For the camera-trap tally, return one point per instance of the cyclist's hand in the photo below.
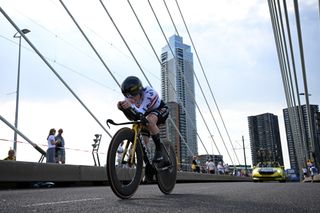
(119, 105)
(124, 104)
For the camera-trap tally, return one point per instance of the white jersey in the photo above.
(50, 140)
(149, 101)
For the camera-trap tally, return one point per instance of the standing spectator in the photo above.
(195, 167)
(309, 163)
(119, 154)
(51, 151)
(220, 168)
(198, 165)
(60, 150)
(305, 172)
(11, 155)
(226, 169)
(313, 172)
(207, 162)
(210, 167)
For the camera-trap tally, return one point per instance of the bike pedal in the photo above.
(164, 168)
(161, 169)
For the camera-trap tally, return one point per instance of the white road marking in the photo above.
(61, 202)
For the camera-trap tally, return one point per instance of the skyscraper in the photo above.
(298, 136)
(177, 84)
(265, 138)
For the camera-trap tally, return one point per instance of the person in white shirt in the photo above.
(119, 154)
(51, 151)
(220, 168)
(211, 167)
(146, 101)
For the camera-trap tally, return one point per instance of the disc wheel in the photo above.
(167, 178)
(124, 173)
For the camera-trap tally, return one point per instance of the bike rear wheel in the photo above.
(167, 178)
(124, 175)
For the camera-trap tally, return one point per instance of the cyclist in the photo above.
(144, 100)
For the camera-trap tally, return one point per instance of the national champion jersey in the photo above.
(149, 100)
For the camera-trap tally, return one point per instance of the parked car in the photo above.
(268, 171)
(291, 175)
(43, 185)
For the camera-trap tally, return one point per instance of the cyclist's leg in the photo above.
(155, 134)
(149, 169)
(145, 134)
(149, 172)
(157, 117)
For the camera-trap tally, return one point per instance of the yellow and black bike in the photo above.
(127, 155)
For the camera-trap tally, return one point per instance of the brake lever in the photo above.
(111, 122)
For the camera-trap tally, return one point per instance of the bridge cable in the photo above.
(279, 46)
(200, 63)
(174, 25)
(147, 37)
(192, 95)
(297, 116)
(52, 69)
(287, 73)
(304, 76)
(211, 92)
(91, 45)
(123, 39)
(300, 114)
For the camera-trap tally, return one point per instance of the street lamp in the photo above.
(17, 35)
(245, 158)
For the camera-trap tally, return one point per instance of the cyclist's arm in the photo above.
(130, 112)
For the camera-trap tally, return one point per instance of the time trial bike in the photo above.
(128, 154)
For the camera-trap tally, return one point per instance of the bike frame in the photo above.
(136, 131)
(136, 127)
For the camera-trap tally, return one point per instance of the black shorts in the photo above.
(162, 112)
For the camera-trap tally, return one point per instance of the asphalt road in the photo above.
(195, 197)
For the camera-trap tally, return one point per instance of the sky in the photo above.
(234, 40)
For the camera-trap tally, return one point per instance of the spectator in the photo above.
(305, 172)
(11, 155)
(226, 169)
(210, 167)
(51, 155)
(220, 168)
(207, 162)
(309, 163)
(119, 154)
(60, 150)
(237, 173)
(198, 165)
(195, 167)
(313, 172)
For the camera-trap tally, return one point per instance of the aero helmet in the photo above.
(131, 86)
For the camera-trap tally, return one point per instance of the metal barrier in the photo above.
(19, 171)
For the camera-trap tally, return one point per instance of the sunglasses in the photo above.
(128, 95)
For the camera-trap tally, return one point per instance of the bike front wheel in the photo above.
(124, 166)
